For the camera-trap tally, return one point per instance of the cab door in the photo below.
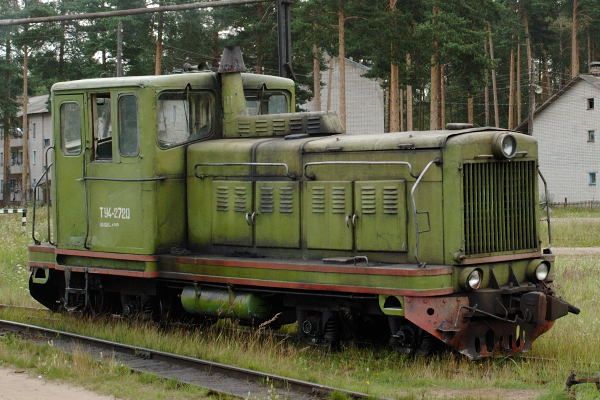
(70, 159)
(120, 192)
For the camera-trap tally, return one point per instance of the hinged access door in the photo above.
(68, 185)
(327, 210)
(277, 214)
(232, 213)
(380, 215)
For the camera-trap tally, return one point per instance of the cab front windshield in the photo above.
(184, 116)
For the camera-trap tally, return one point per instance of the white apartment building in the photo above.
(40, 139)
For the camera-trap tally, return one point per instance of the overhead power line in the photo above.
(123, 13)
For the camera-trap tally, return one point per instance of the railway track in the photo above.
(217, 377)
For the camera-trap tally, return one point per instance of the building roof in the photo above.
(591, 79)
(36, 105)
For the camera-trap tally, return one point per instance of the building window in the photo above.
(34, 157)
(33, 130)
(590, 103)
(591, 136)
(592, 179)
(46, 142)
(1, 160)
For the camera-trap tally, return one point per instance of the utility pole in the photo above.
(284, 38)
(120, 48)
(25, 183)
(7, 123)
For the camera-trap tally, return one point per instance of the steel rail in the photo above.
(223, 378)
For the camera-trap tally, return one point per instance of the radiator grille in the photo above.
(500, 205)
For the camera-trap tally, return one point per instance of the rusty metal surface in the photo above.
(472, 331)
(572, 380)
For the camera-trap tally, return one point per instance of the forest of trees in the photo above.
(440, 61)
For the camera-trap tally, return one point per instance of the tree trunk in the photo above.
(342, 62)
(494, 86)
(329, 83)
(518, 99)
(7, 125)
(442, 122)
(486, 89)
(316, 78)
(25, 181)
(574, 41)
(511, 90)
(401, 108)
(159, 46)
(434, 97)
(589, 48)
(394, 124)
(470, 109)
(394, 100)
(61, 53)
(258, 68)
(409, 99)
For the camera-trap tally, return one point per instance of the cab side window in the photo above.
(128, 125)
(101, 116)
(184, 116)
(266, 102)
(70, 128)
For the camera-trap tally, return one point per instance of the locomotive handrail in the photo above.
(100, 178)
(321, 163)
(35, 189)
(414, 207)
(547, 207)
(240, 164)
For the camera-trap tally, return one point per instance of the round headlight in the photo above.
(541, 272)
(474, 279)
(505, 145)
(509, 146)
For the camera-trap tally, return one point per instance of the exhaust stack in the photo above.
(232, 88)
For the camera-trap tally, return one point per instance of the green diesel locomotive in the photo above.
(203, 194)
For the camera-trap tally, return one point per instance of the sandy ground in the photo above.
(18, 385)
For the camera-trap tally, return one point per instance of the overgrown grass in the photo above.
(573, 232)
(575, 212)
(573, 344)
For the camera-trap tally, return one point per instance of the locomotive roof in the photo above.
(196, 80)
(390, 141)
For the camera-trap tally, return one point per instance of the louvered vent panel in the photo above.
(338, 200)
(500, 201)
(296, 125)
(241, 195)
(390, 200)
(278, 126)
(266, 200)
(318, 199)
(244, 128)
(262, 126)
(286, 200)
(368, 200)
(222, 198)
(313, 125)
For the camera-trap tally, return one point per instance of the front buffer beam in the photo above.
(507, 324)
